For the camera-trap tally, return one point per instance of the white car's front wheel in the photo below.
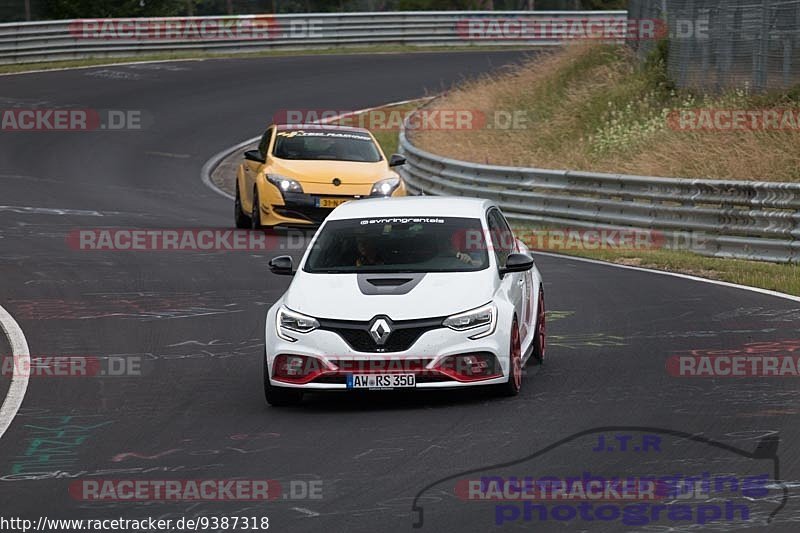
(514, 383)
(540, 341)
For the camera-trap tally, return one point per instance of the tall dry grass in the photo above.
(594, 107)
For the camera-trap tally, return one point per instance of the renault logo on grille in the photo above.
(380, 331)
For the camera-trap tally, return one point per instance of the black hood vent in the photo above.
(394, 284)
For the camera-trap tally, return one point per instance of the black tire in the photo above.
(540, 340)
(242, 221)
(514, 383)
(280, 396)
(255, 215)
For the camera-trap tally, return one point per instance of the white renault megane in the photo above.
(401, 293)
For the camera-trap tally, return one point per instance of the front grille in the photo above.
(404, 333)
(304, 206)
(398, 341)
(309, 213)
(381, 365)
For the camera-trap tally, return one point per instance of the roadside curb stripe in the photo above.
(19, 379)
(728, 284)
(103, 65)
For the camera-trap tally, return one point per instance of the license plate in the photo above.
(381, 381)
(330, 202)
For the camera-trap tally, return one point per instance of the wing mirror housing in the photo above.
(396, 160)
(254, 155)
(282, 265)
(517, 263)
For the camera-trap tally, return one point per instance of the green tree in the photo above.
(61, 9)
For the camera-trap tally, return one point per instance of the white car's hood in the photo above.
(338, 296)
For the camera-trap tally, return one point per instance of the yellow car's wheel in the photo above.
(242, 221)
(255, 216)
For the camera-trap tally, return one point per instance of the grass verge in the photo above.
(596, 107)
(776, 277)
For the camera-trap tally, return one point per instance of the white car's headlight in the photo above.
(384, 187)
(286, 319)
(284, 184)
(484, 317)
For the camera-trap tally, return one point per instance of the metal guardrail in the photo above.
(79, 39)
(721, 218)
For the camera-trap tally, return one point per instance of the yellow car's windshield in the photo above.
(322, 144)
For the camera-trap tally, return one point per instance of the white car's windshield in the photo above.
(325, 144)
(414, 244)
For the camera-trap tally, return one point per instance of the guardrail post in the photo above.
(761, 49)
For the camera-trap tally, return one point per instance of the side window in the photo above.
(264, 144)
(508, 236)
(502, 238)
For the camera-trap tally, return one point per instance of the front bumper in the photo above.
(306, 209)
(337, 358)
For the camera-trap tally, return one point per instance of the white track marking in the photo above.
(216, 159)
(307, 512)
(19, 380)
(23, 210)
(168, 154)
(105, 65)
(728, 284)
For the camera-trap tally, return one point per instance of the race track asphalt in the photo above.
(195, 319)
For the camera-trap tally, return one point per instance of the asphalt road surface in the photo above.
(193, 323)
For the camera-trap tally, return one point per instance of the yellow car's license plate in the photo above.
(331, 202)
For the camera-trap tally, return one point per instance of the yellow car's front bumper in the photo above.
(308, 208)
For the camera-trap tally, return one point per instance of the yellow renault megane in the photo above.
(300, 173)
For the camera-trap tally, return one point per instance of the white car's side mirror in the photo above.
(517, 263)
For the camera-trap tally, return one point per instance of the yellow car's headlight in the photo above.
(284, 184)
(385, 187)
